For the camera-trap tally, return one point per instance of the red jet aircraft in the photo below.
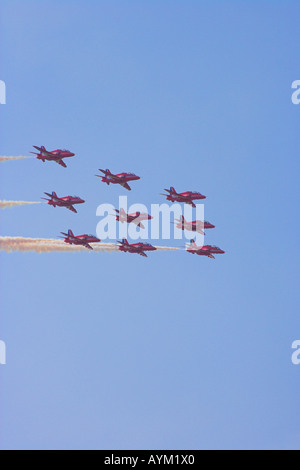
(120, 178)
(138, 248)
(188, 197)
(67, 201)
(83, 240)
(194, 226)
(55, 155)
(206, 250)
(135, 217)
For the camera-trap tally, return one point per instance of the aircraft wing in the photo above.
(107, 174)
(60, 162)
(43, 151)
(126, 186)
(71, 208)
(48, 154)
(143, 254)
(138, 223)
(87, 245)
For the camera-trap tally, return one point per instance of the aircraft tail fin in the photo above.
(124, 241)
(70, 233)
(54, 194)
(172, 189)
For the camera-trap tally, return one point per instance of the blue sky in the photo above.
(113, 351)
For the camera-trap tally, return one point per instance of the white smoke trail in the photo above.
(27, 240)
(6, 204)
(44, 245)
(7, 159)
(167, 248)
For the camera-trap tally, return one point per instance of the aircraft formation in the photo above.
(136, 218)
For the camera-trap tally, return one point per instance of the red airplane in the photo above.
(188, 197)
(206, 250)
(194, 226)
(138, 248)
(83, 240)
(67, 201)
(55, 155)
(135, 217)
(121, 178)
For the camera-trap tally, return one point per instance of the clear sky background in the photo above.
(114, 351)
